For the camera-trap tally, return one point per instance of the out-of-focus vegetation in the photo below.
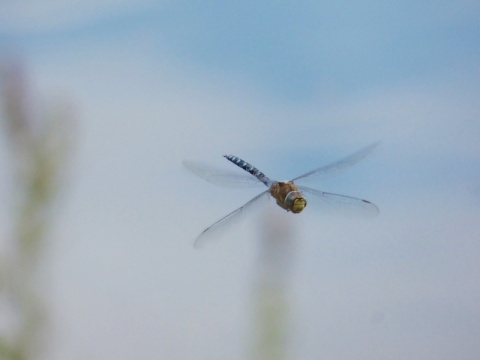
(271, 298)
(35, 141)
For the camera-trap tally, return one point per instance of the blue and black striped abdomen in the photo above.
(249, 168)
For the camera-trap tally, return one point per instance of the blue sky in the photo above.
(290, 49)
(287, 86)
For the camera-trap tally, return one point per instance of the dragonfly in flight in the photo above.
(288, 195)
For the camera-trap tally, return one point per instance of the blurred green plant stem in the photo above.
(37, 143)
(271, 293)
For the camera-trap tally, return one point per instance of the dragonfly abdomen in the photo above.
(249, 168)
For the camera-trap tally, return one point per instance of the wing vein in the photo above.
(200, 239)
(341, 164)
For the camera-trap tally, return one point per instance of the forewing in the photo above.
(221, 177)
(341, 164)
(206, 234)
(331, 202)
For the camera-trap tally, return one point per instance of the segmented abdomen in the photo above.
(250, 168)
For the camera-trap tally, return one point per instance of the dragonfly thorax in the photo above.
(288, 196)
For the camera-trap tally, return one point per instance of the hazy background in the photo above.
(287, 86)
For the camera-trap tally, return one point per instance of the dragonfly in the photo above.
(287, 194)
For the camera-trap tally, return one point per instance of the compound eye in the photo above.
(299, 204)
(295, 202)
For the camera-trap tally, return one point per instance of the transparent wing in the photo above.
(339, 203)
(341, 164)
(205, 235)
(221, 177)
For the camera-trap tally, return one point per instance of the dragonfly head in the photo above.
(295, 202)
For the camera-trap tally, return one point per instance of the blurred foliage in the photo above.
(36, 143)
(271, 294)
